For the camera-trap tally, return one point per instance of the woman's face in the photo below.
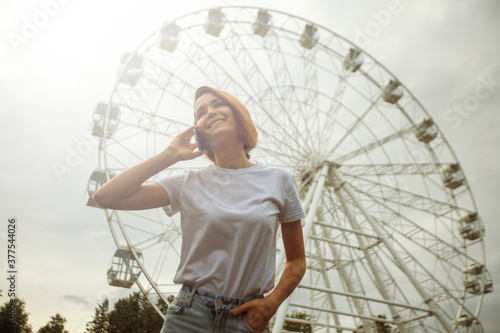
(215, 116)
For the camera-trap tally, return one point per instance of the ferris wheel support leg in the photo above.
(426, 298)
(311, 215)
(338, 185)
(326, 281)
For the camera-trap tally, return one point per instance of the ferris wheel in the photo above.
(392, 232)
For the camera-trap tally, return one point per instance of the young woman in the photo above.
(230, 213)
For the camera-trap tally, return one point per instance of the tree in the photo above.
(55, 325)
(17, 323)
(134, 314)
(100, 321)
(380, 327)
(162, 305)
(295, 326)
(131, 314)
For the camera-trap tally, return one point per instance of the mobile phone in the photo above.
(198, 135)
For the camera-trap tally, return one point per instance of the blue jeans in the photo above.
(196, 311)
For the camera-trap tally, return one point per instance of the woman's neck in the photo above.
(231, 157)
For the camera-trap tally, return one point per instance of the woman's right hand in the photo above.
(182, 148)
(128, 189)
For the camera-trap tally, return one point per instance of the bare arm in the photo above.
(295, 266)
(260, 311)
(128, 191)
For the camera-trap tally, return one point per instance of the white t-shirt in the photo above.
(229, 220)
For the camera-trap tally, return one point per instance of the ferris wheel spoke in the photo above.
(392, 169)
(148, 242)
(433, 282)
(332, 113)
(120, 166)
(170, 79)
(170, 130)
(415, 233)
(143, 92)
(282, 87)
(310, 100)
(149, 122)
(125, 149)
(351, 127)
(160, 262)
(285, 136)
(171, 82)
(326, 126)
(374, 105)
(409, 199)
(377, 143)
(283, 160)
(275, 146)
(403, 306)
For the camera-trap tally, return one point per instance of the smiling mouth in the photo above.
(216, 123)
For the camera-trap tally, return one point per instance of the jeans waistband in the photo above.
(193, 294)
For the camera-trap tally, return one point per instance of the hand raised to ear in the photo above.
(182, 148)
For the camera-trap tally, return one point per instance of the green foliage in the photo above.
(55, 325)
(162, 305)
(100, 321)
(20, 324)
(380, 327)
(298, 327)
(132, 314)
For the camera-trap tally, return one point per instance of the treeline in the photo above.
(131, 314)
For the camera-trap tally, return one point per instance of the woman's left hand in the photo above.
(258, 313)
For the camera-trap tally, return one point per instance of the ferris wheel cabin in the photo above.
(101, 117)
(453, 176)
(470, 226)
(131, 65)
(426, 130)
(392, 92)
(477, 280)
(262, 23)
(124, 270)
(169, 36)
(215, 22)
(467, 324)
(353, 60)
(310, 36)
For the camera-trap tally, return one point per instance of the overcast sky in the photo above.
(52, 76)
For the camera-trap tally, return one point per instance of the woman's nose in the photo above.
(211, 112)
